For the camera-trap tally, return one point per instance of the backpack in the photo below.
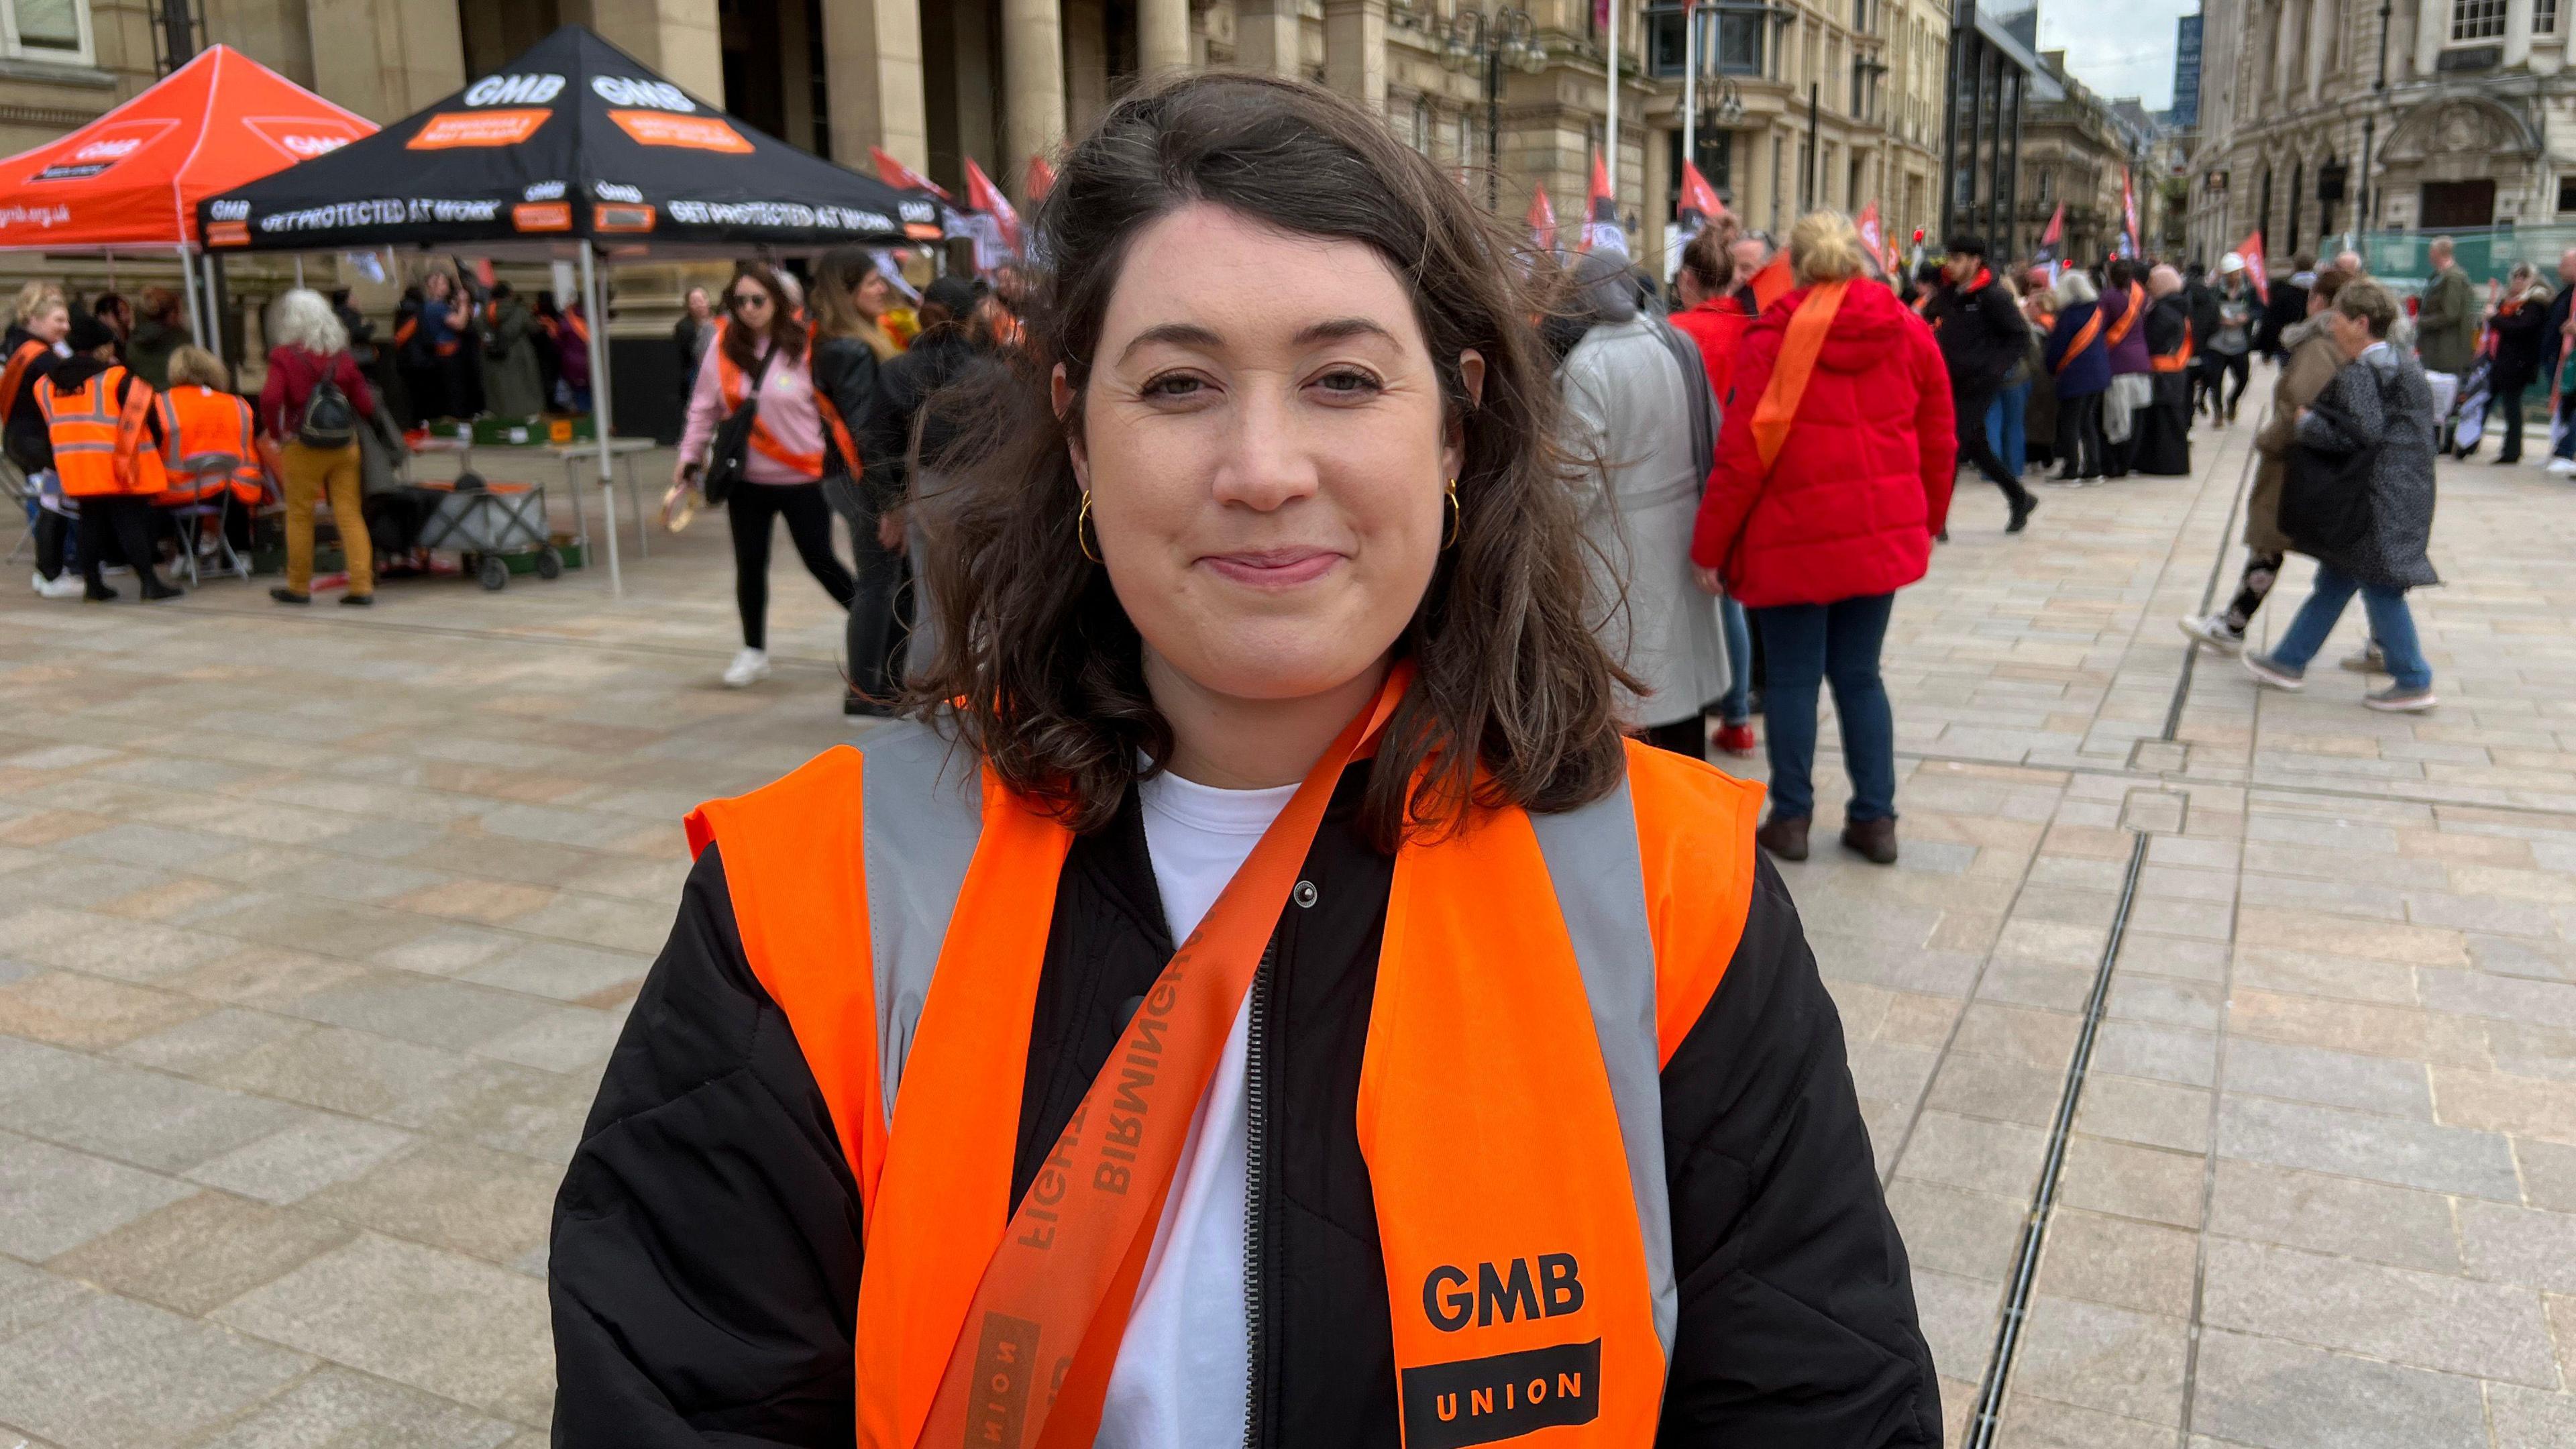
(329, 421)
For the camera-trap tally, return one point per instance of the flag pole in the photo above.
(1614, 110)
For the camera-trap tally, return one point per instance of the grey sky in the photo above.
(2118, 47)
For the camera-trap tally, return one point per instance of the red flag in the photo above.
(1698, 197)
(1773, 282)
(2250, 251)
(2129, 212)
(894, 173)
(1041, 180)
(2046, 257)
(1542, 219)
(982, 195)
(1601, 213)
(1873, 245)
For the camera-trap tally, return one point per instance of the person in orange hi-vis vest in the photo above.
(214, 450)
(106, 434)
(33, 346)
(1260, 995)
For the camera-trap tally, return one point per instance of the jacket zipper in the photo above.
(1256, 1133)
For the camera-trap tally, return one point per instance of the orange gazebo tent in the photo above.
(132, 178)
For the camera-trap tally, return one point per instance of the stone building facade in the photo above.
(2076, 148)
(2316, 121)
(1803, 102)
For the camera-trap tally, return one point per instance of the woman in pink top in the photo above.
(784, 467)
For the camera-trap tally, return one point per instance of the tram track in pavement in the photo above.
(1986, 1418)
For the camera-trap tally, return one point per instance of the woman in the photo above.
(2378, 403)
(429, 342)
(312, 348)
(691, 336)
(2313, 361)
(967, 327)
(1645, 443)
(1815, 529)
(512, 383)
(2039, 405)
(160, 331)
(2226, 363)
(1717, 310)
(110, 472)
(2079, 361)
(35, 344)
(215, 452)
(846, 373)
(762, 352)
(1204, 559)
(2520, 324)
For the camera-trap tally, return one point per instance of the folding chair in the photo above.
(189, 519)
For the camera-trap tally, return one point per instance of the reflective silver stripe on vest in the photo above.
(924, 812)
(1593, 861)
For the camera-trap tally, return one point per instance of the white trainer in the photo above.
(2214, 632)
(68, 586)
(748, 668)
(2562, 467)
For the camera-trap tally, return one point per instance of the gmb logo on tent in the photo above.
(514, 90)
(620, 90)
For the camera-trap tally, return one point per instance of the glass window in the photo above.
(1739, 42)
(2477, 19)
(1665, 39)
(2544, 17)
(48, 27)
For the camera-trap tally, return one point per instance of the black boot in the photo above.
(2024, 503)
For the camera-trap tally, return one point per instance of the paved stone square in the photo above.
(316, 926)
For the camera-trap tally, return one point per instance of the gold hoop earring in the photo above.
(1079, 520)
(1457, 519)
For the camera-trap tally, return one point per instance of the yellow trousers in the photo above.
(312, 473)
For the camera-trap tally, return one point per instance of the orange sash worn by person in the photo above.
(901, 923)
(102, 435)
(2120, 329)
(734, 386)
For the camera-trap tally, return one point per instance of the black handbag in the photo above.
(2326, 498)
(731, 452)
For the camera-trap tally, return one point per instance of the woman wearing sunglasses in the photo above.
(762, 353)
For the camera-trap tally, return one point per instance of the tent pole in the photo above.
(214, 305)
(299, 270)
(188, 283)
(595, 316)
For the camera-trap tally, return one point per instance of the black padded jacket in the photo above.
(706, 1251)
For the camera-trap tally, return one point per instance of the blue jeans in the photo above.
(2390, 624)
(2004, 427)
(1737, 707)
(1805, 645)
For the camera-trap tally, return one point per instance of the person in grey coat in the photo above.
(2446, 329)
(2380, 404)
(1633, 393)
(512, 385)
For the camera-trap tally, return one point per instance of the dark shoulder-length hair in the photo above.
(1038, 668)
(786, 331)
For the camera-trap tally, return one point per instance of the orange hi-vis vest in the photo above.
(14, 375)
(895, 901)
(213, 446)
(99, 448)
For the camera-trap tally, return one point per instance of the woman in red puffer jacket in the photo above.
(1817, 542)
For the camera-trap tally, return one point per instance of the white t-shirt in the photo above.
(1184, 1366)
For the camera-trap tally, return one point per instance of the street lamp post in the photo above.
(1504, 36)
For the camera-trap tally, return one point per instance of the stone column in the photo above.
(1268, 37)
(1162, 35)
(1355, 50)
(2517, 32)
(873, 81)
(384, 59)
(1032, 80)
(679, 38)
(2432, 27)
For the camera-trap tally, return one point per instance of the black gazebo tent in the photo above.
(572, 148)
